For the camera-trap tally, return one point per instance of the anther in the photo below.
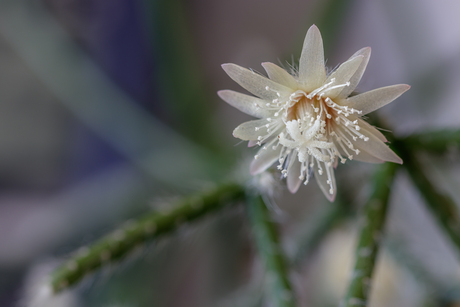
(256, 157)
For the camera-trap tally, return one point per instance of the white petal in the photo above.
(366, 127)
(364, 156)
(354, 80)
(252, 143)
(293, 181)
(375, 99)
(247, 131)
(322, 180)
(280, 75)
(376, 148)
(312, 72)
(266, 158)
(342, 75)
(255, 83)
(250, 105)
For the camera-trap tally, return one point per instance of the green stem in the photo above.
(369, 237)
(267, 240)
(436, 141)
(441, 205)
(126, 239)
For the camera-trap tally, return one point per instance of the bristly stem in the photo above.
(126, 239)
(369, 237)
(440, 141)
(266, 236)
(441, 205)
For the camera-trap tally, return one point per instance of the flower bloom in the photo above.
(307, 120)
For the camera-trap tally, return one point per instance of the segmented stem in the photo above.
(441, 205)
(266, 236)
(135, 233)
(369, 237)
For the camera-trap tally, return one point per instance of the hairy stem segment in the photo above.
(440, 141)
(270, 251)
(369, 237)
(135, 233)
(441, 205)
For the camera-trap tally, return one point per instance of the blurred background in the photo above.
(109, 109)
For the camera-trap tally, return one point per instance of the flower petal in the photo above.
(342, 75)
(364, 156)
(266, 158)
(366, 127)
(248, 104)
(376, 148)
(312, 72)
(255, 83)
(354, 80)
(247, 131)
(375, 99)
(293, 181)
(280, 75)
(322, 180)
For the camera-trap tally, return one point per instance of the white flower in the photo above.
(307, 119)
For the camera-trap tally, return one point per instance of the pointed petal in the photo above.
(266, 158)
(322, 180)
(312, 72)
(342, 75)
(293, 181)
(354, 80)
(364, 156)
(250, 105)
(252, 143)
(247, 131)
(280, 75)
(375, 147)
(375, 99)
(255, 83)
(366, 127)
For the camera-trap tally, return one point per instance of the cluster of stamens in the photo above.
(306, 126)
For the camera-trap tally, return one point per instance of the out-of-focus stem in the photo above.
(126, 239)
(440, 141)
(270, 251)
(441, 205)
(369, 237)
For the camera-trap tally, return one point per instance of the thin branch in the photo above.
(126, 239)
(369, 237)
(440, 204)
(441, 141)
(270, 251)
